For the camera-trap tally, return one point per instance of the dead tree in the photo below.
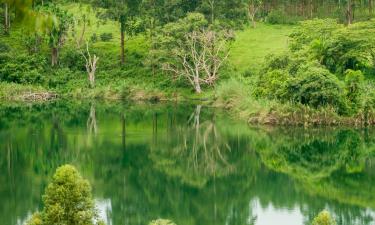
(252, 9)
(199, 57)
(91, 65)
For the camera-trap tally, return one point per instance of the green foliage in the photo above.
(63, 21)
(272, 85)
(324, 218)
(280, 17)
(36, 219)
(4, 48)
(316, 86)
(161, 222)
(354, 87)
(22, 68)
(311, 30)
(337, 47)
(67, 200)
(72, 59)
(106, 37)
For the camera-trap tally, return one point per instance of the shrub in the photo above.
(316, 86)
(272, 84)
(106, 37)
(280, 17)
(94, 38)
(354, 87)
(324, 218)
(67, 200)
(311, 30)
(72, 59)
(4, 48)
(23, 69)
(276, 17)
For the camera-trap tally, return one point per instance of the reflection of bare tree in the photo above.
(202, 146)
(91, 121)
(123, 136)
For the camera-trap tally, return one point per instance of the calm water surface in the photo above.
(186, 163)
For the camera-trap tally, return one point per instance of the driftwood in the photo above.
(38, 96)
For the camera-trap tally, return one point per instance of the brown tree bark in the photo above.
(349, 12)
(6, 18)
(122, 47)
(370, 10)
(54, 56)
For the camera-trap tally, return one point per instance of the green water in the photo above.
(187, 163)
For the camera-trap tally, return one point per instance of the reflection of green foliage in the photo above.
(146, 172)
(324, 218)
(67, 200)
(161, 222)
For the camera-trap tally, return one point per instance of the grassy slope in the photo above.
(247, 53)
(252, 45)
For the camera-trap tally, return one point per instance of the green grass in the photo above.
(252, 45)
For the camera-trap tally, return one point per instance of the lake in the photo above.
(187, 163)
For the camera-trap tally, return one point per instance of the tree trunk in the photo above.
(253, 21)
(92, 79)
(349, 13)
(370, 7)
(6, 19)
(54, 56)
(122, 24)
(197, 85)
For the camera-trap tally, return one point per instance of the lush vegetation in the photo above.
(320, 70)
(183, 152)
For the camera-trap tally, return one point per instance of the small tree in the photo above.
(58, 32)
(199, 57)
(67, 200)
(324, 218)
(91, 65)
(253, 7)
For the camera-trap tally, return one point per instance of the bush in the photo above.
(4, 48)
(94, 38)
(67, 200)
(276, 17)
(354, 87)
(316, 86)
(72, 59)
(280, 17)
(22, 69)
(324, 218)
(60, 77)
(310, 30)
(272, 84)
(106, 37)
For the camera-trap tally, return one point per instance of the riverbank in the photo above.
(236, 98)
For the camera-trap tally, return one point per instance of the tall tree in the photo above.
(127, 13)
(58, 31)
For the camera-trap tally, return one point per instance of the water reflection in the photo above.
(190, 164)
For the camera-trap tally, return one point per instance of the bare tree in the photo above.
(252, 8)
(199, 57)
(90, 65)
(91, 123)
